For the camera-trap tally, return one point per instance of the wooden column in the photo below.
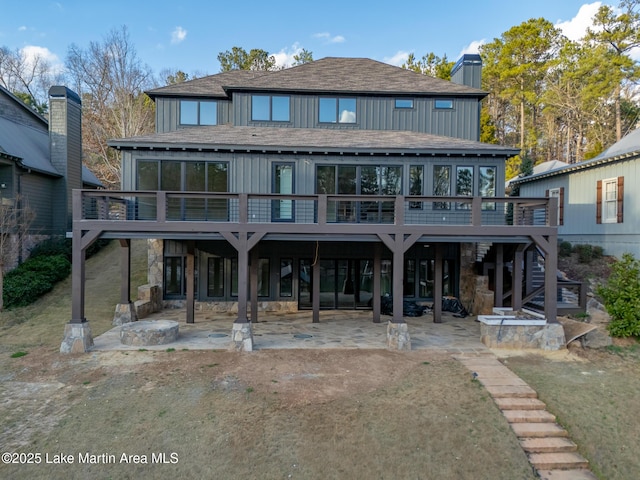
(377, 271)
(191, 280)
(253, 284)
(243, 276)
(516, 288)
(315, 288)
(78, 256)
(498, 277)
(397, 276)
(437, 284)
(551, 282)
(125, 271)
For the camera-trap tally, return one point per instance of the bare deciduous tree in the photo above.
(16, 218)
(111, 81)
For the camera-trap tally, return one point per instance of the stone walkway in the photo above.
(550, 451)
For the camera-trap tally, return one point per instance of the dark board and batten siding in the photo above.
(373, 113)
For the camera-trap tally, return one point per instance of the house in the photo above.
(323, 186)
(41, 163)
(594, 207)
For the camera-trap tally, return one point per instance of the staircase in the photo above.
(551, 453)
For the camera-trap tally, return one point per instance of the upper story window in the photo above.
(444, 104)
(337, 110)
(464, 184)
(198, 112)
(404, 102)
(487, 186)
(441, 185)
(270, 108)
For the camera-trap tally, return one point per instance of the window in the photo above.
(337, 110)
(282, 210)
(487, 187)
(286, 277)
(444, 104)
(464, 185)
(610, 196)
(174, 277)
(268, 108)
(215, 277)
(416, 175)
(404, 102)
(559, 194)
(264, 273)
(441, 185)
(196, 112)
(183, 176)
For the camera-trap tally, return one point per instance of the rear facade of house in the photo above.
(323, 186)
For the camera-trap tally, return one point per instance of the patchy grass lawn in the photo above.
(596, 400)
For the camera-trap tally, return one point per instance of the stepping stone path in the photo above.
(553, 455)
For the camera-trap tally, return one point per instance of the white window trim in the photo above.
(614, 218)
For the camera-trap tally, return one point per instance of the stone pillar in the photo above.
(241, 337)
(398, 337)
(155, 252)
(125, 313)
(77, 338)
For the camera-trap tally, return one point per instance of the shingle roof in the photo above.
(309, 139)
(328, 75)
(627, 147)
(356, 75)
(211, 85)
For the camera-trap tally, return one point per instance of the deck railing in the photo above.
(164, 206)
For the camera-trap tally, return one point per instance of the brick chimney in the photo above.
(65, 143)
(468, 71)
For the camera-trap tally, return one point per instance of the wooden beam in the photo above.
(516, 296)
(377, 271)
(315, 288)
(253, 284)
(190, 278)
(437, 284)
(125, 271)
(498, 276)
(397, 279)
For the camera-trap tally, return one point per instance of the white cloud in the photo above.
(473, 47)
(326, 36)
(284, 58)
(178, 35)
(576, 28)
(398, 59)
(22, 28)
(32, 53)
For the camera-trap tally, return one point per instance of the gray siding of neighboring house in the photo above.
(168, 113)
(580, 206)
(10, 110)
(37, 190)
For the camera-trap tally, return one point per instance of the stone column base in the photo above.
(241, 337)
(398, 337)
(77, 338)
(125, 313)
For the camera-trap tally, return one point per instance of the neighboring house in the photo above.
(322, 186)
(40, 164)
(598, 200)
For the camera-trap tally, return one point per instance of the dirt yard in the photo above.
(266, 415)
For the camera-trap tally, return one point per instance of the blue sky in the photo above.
(188, 34)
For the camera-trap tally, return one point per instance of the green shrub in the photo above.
(33, 278)
(52, 246)
(597, 252)
(621, 297)
(585, 253)
(565, 249)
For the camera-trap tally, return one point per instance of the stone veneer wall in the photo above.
(545, 337)
(155, 261)
(232, 307)
(474, 289)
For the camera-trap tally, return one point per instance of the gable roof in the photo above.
(209, 86)
(312, 140)
(627, 147)
(328, 75)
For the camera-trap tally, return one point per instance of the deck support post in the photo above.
(126, 309)
(437, 284)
